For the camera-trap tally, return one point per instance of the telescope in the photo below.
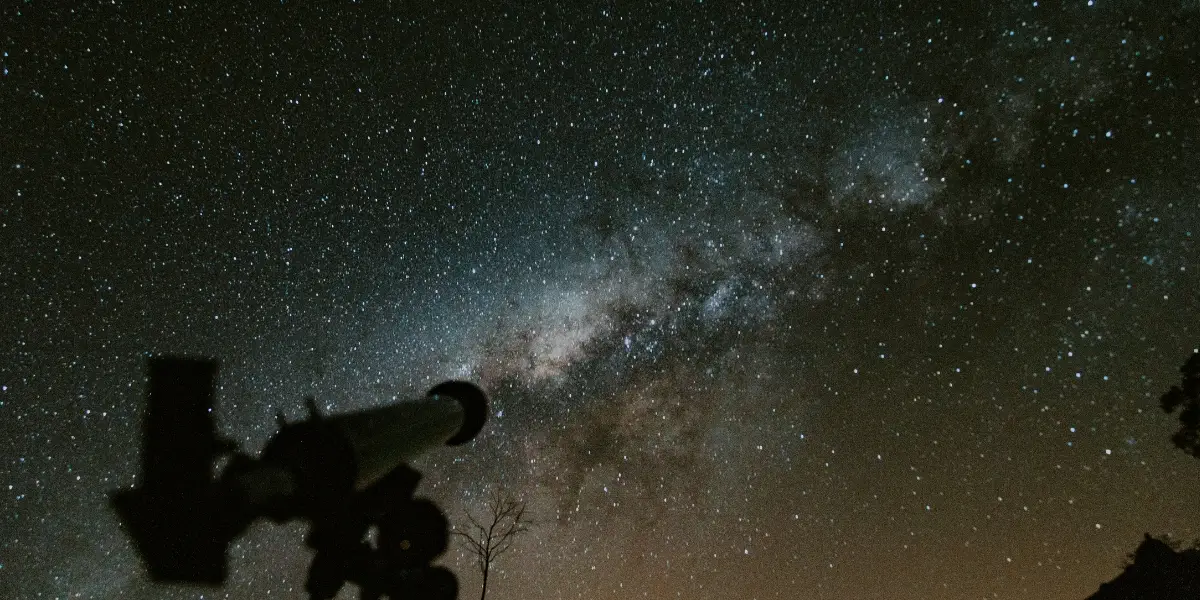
(344, 474)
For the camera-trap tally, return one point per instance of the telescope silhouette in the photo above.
(345, 474)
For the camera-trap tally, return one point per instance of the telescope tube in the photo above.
(318, 462)
(452, 413)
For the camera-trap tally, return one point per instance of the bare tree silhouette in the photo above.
(505, 520)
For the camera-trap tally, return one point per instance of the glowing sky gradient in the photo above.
(841, 301)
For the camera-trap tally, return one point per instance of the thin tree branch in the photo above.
(506, 521)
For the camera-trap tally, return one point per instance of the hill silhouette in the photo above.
(1158, 571)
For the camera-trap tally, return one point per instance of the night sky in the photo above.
(852, 300)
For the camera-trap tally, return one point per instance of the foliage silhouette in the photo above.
(1186, 398)
(1158, 569)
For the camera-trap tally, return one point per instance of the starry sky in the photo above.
(841, 300)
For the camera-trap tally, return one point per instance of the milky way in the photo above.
(854, 300)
